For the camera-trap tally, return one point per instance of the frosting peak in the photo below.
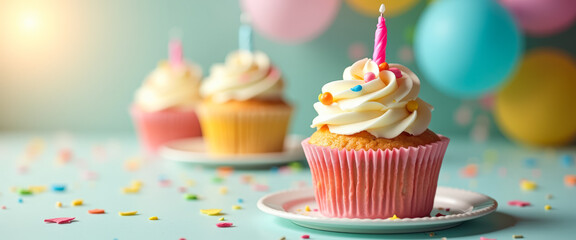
(383, 101)
(245, 75)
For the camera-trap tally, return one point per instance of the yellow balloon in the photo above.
(537, 106)
(371, 7)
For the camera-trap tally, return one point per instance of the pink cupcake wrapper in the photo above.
(157, 128)
(375, 184)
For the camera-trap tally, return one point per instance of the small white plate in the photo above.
(193, 150)
(463, 205)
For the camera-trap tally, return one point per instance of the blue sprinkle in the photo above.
(20, 200)
(356, 88)
(274, 169)
(240, 200)
(567, 160)
(530, 162)
(58, 187)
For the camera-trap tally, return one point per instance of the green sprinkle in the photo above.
(217, 180)
(191, 196)
(24, 192)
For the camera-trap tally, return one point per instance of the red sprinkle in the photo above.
(483, 238)
(440, 215)
(518, 203)
(224, 224)
(305, 236)
(3, 207)
(61, 220)
(96, 211)
(396, 71)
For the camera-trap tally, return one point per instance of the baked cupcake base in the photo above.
(375, 184)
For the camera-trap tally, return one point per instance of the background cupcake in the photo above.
(164, 107)
(243, 110)
(372, 155)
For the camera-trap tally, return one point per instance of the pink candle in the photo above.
(176, 54)
(381, 38)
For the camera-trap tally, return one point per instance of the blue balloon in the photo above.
(467, 48)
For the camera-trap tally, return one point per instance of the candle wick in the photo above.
(382, 9)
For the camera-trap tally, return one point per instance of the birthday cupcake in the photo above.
(373, 155)
(164, 107)
(243, 110)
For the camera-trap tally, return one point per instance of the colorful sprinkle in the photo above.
(356, 88)
(547, 207)
(190, 196)
(412, 106)
(58, 187)
(96, 211)
(530, 162)
(528, 185)
(369, 76)
(20, 200)
(326, 98)
(394, 217)
(305, 236)
(567, 160)
(236, 207)
(517, 236)
(432, 234)
(77, 202)
(383, 66)
(469, 171)
(224, 224)
(3, 207)
(217, 180)
(439, 215)
(58, 204)
(61, 220)
(223, 190)
(396, 71)
(549, 196)
(130, 190)
(307, 208)
(24, 192)
(211, 211)
(518, 203)
(240, 200)
(153, 218)
(132, 213)
(221, 219)
(483, 238)
(570, 180)
(260, 187)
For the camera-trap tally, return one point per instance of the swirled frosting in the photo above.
(385, 107)
(170, 86)
(245, 75)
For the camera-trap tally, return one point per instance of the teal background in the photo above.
(81, 75)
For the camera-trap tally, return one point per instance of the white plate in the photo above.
(193, 150)
(463, 205)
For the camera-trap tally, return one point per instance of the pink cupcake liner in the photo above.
(157, 128)
(375, 184)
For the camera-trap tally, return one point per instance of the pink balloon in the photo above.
(542, 17)
(291, 21)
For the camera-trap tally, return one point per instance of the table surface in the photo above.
(95, 168)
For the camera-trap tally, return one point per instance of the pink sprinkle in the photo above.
(369, 76)
(182, 239)
(182, 189)
(469, 171)
(518, 203)
(305, 236)
(483, 238)
(396, 71)
(315, 209)
(260, 187)
(224, 224)
(3, 207)
(89, 175)
(61, 220)
(165, 183)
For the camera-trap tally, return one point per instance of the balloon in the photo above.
(291, 21)
(537, 106)
(370, 7)
(542, 17)
(466, 48)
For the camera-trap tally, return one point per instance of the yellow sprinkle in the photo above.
(37, 189)
(128, 213)
(153, 218)
(412, 106)
(394, 217)
(58, 204)
(223, 190)
(547, 207)
(77, 202)
(211, 212)
(136, 184)
(517, 236)
(131, 189)
(528, 185)
(307, 208)
(236, 207)
(190, 183)
(221, 219)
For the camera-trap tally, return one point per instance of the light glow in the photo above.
(30, 22)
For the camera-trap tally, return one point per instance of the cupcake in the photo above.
(373, 155)
(164, 107)
(243, 110)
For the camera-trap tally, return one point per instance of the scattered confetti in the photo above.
(517, 236)
(217, 180)
(89, 175)
(61, 220)
(469, 171)
(136, 183)
(570, 180)
(394, 217)
(483, 238)
(224, 171)
(58, 204)
(20, 200)
(128, 213)
(528, 185)
(130, 190)
(547, 207)
(236, 207)
(305, 236)
(165, 183)
(221, 219)
(37, 189)
(439, 215)
(283, 238)
(567, 160)
(260, 187)
(518, 203)
(307, 208)
(211, 212)
(223, 190)
(153, 218)
(224, 224)
(24, 192)
(549, 196)
(432, 234)
(530, 162)
(96, 211)
(246, 179)
(182, 189)
(132, 164)
(190, 196)
(77, 202)
(3, 207)
(240, 200)
(190, 183)
(58, 187)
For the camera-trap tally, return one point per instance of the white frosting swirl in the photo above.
(170, 87)
(244, 76)
(379, 108)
